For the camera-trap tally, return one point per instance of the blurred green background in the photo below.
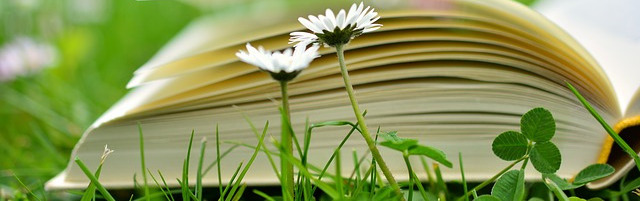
(64, 62)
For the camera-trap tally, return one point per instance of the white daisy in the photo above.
(283, 66)
(332, 30)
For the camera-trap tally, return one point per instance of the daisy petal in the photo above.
(360, 7)
(331, 18)
(316, 22)
(362, 15)
(370, 29)
(340, 19)
(245, 57)
(366, 20)
(287, 61)
(351, 15)
(327, 23)
(359, 11)
(309, 24)
(364, 24)
(302, 38)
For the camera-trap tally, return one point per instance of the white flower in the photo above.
(332, 30)
(282, 66)
(105, 154)
(24, 56)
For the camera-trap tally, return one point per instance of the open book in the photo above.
(453, 74)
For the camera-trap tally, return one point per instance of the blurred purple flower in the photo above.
(24, 56)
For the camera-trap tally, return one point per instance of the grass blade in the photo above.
(183, 185)
(362, 183)
(185, 171)
(442, 187)
(295, 141)
(158, 185)
(264, 146)
(90, 193)
(307, 141)
(136, 185)
(307, 188)
(610, 131)
(94, 180)
(187, 192)
(165, 184)
(319, 183)
(354, 127)
(218, 159)
(263, 195)
(233, 177)
(25, 187)
(253, 157)
(333, 156)
(238, 195)
(374, 171)
(355, 176)
(203, 145)
(142, 162)
(464, 181)
(427, 170)
(155, 195)
(224, 154)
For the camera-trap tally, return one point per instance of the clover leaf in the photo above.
(545, 157)
(510, 146)
(538, 125)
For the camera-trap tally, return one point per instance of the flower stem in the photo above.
(285, 166)
(519, 193)
(363, 126)
(405, 156)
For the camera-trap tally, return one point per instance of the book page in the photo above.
(634, 105)
(438, 111)
(609, 31)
